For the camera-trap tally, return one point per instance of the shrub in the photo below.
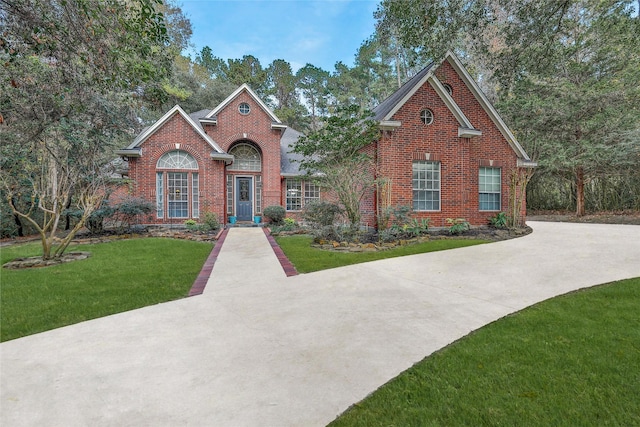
(458, 225)
(500, 220)
(127, 212)
(413, 228)
(95, 222)
(209, 221)
(275, 214)
(321, 214)
(191, 225)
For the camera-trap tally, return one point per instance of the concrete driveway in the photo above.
(260, 349)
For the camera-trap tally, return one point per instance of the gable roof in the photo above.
(146, 133)
(385, 111)
(252, 94)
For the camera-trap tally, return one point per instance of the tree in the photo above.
(574, 88)
(95, 57)
(313, 85)
(336, 153)
(281, 94)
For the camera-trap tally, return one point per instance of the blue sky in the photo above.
(319, 32)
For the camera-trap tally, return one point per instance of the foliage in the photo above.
(404, 227)
(57, 143)
(458, 225)
(118, 276)
(307, 259)
(130, 210)
(456, 385)
(275, 214)
(191, 225)
(499, 220)
(288, 225)
(95, 221)
(313, 86)
(209, 221)
(336, 154)
(321, 213)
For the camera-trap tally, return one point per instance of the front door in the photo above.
(244, 190)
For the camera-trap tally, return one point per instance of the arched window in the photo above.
(246, 158)
(177, 160)
(177, 190)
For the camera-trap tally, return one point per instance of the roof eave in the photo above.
(389, 124)
(468, 132)
(130, 152)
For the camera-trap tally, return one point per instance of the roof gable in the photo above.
(385, 111)
(145, 134)
(253, 95)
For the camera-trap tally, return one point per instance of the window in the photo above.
(229, 194)
(177, 192)
(177, 195)
(159, 195)
(426, 186)
(311, 192)
(294, 195)
(244, 108)
(246, 158)
(426, 116)
(448, 88)
(195, 196)
(177, 160)
(300, 193)
(489, 183)
(258, 193)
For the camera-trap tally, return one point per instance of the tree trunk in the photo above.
(16, 219)
(580, 211)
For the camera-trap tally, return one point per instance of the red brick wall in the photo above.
(460, 157)
(232, 127)
(175, 131)
(255, 127)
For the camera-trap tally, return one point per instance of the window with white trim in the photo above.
(245, 158)
(244, 108)
(294, 194)
(300, 193)
(177, 188)
(489, 181)
(311, 192)
(426, 186)
(426, 116)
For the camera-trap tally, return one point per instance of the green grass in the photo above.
(307, 259)
(570, 361)
(119, 276)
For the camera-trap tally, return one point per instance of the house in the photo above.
(443, 150)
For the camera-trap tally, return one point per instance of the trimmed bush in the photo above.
(321, 214)
(275, 214)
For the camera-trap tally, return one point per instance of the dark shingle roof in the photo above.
(388, 104)
(199, 115)
(288, 163)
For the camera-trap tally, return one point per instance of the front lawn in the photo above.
(306, 259)
(119, 276)
(570, 361)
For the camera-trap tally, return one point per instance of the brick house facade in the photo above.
(443, 151)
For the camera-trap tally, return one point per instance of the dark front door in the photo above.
(243, 199)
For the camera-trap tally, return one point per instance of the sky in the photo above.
(318, 32)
